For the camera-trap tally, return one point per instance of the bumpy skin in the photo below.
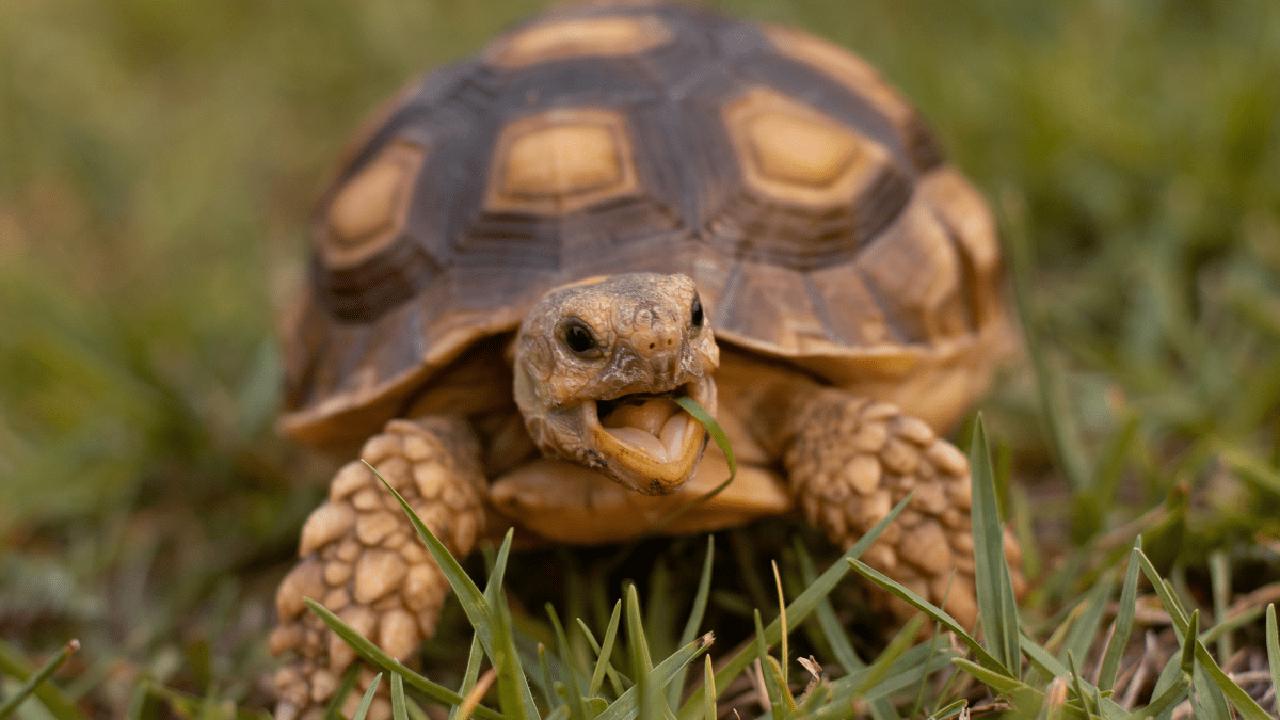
(852, 459)
(644, 340)
(360, 557)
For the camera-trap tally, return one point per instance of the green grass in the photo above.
(157, 164)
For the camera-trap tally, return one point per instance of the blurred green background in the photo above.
(159, 159)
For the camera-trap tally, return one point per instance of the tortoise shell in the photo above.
(804, 195)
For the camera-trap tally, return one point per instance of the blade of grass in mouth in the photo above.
(699, 413)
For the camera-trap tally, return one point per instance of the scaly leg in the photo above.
(850, 460)
(362, 560)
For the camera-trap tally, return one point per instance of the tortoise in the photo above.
(529, 255)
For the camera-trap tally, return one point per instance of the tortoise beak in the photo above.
(647, 442)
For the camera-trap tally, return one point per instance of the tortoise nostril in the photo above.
(652, 345)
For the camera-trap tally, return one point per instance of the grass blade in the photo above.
(800, 608)
(59, 705)
(490, 620)
(334, 710)
(836, 637)
(782, 618)
(375, 655)
(1234, 621)
(137, 701)
(514, 694)
(544, 681)
(985, 658)
(641, 661)
(696, 613)
(996, 680)
(1273, 651)
(1208, 702)
(37, 678)
(577, 711)
(1046, 663)
(1219, 680)
(1171, 676)
(1188, 661)
(1124, 622)
(474, 655)
(774, 687)
(1086, 698)
(606, 649)
(1220, 583)
(648, 709)
(398, 709)
(721, 440)
(1042, 659)
(1250, 469)
(896, 647)
(1054, 412)
(1107, 712)
(473, 603)
(911, 669)
(651, 706)
(362, 710)
(709, 689)
(659, 612)
(827, 620)
(785, 705)
(627, 705)
(996, 606)
(1167, 698)
(716, 432)
(949, 710)
(1084, 630)
(1078, 687)
(1163, 591)
(493, 587)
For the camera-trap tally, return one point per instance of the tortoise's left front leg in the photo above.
(360, 558)
(850, 460)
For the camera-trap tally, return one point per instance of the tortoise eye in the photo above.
(577, 336)
(695, 312)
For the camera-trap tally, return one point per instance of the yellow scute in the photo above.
(562, 160)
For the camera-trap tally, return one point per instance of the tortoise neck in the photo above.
(763, 393)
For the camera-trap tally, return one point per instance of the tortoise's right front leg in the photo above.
(361, 559)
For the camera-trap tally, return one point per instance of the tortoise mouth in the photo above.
(648, 440)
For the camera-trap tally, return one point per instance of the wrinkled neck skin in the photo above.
(598, 366)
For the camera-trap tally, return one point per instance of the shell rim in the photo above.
(997, 332)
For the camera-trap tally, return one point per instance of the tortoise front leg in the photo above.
(361, 559)
(850, 460)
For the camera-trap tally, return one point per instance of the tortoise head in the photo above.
(598, 365)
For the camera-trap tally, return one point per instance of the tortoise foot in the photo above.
(852, 460)
(361, 559)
